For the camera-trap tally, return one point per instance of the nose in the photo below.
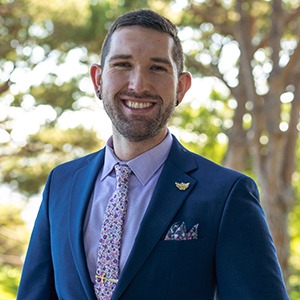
(139, 81)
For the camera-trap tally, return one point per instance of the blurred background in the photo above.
(242, 111)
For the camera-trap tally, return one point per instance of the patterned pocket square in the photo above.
(178, 233)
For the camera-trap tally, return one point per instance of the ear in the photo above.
(184, 84)
(95, 72)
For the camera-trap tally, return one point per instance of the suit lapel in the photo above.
(83, 185)
(166, 201)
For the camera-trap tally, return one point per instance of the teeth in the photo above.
(138, 105)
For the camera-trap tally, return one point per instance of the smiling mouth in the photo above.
(138, 104)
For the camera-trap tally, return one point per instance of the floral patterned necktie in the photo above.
(107, 270)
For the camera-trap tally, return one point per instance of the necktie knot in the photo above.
(122, 173)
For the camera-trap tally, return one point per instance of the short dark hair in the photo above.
(148, 19)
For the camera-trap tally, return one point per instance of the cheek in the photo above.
(165, 87)
(112, 83)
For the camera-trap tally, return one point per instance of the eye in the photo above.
(122, 64)
(159, 68)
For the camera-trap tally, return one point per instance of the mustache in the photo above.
(144, 95)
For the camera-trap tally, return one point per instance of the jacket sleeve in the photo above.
(246, 260)
(37, 280)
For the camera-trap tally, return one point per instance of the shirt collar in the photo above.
(143, 166)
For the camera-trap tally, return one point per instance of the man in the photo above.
(193, 229)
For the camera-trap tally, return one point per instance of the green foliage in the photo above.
(204, 127)
(40, 36)
(294, 279)
(294, 230)
(60, 97)
(13, 235)
(29, 166)
(200, 131)
(9, 281)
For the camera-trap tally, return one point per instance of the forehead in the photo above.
(137, 40)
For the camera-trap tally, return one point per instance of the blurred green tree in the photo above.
(13, 236)
(13, 242)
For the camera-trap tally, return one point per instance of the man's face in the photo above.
(139, 82)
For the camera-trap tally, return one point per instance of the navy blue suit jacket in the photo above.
(234, 252)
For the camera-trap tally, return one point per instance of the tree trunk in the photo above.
(276, 200)
(276, 210)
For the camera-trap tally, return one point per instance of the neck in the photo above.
(126, 150)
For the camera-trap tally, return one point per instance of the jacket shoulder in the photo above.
(197, 164)
(78, 163)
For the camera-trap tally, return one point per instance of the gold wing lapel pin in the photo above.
(182, 186)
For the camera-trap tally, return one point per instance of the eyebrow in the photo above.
(120, 56)
(162, 60)
(154, 59)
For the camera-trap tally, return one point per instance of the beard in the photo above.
(138, 128)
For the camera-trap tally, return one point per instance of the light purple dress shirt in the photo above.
(146, 169)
